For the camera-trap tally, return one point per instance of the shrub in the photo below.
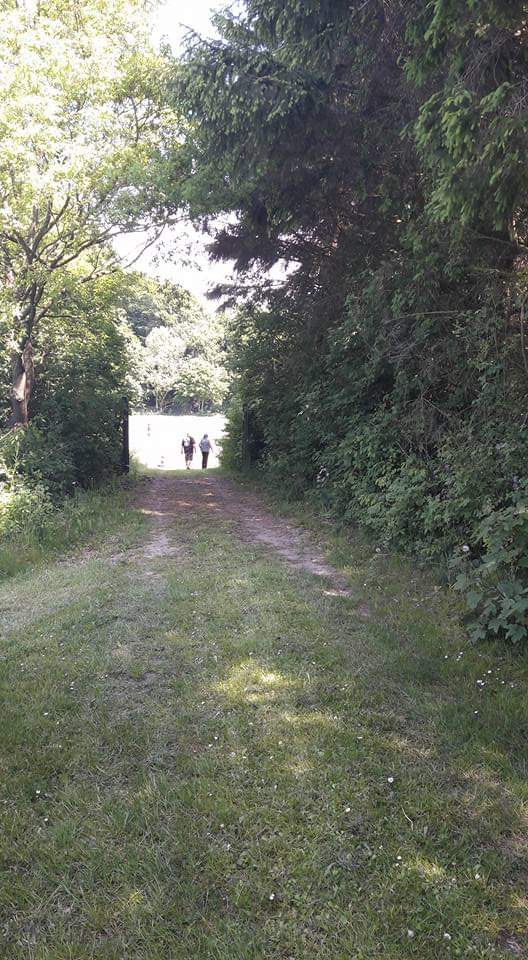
(42, 457)
(233, 443)
(492, 573)
(33, 526)
(25, 512)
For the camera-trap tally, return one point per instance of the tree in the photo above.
(377, 148)
(178, 367)
(85, 364)
(201, 383)
(148, 303)
(183, 361)
(82, 157)
(163, 362)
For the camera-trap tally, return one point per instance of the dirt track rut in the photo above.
(164, 497)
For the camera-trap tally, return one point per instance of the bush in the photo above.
(42, 457)
(233, 443)
(244, 441)
(492, 573)
(25, 512)
(32, 526)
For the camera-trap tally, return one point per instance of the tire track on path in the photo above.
(218, 497)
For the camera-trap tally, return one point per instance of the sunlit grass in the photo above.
(209, 759)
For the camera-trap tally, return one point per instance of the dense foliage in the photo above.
(85, 135)
(84, 141)
(377, 148)
(82, 359)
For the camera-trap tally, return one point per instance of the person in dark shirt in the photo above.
(188, 447)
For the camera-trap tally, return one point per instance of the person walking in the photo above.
(188, 447)
(206, 447)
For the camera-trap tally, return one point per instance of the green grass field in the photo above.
(206, 757)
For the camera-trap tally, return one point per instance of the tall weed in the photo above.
(33, 527)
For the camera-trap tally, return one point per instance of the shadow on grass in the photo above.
(248, 771)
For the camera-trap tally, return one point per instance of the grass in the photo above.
(210, 759)
(39, 530)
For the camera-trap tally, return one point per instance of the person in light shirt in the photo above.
(206, 447)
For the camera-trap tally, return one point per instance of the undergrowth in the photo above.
(33, 527)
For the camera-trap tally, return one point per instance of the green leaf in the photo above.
(473, 599)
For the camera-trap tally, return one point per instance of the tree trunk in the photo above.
(23, 380)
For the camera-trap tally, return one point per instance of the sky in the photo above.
(173, 17)
(180, 256)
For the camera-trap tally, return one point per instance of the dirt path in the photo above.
(166, 498)
(206, 756)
